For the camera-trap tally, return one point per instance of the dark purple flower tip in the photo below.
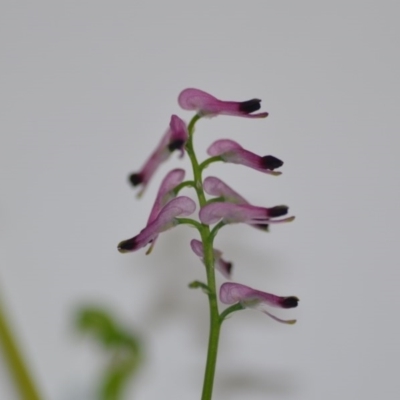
(249, 106)
(127, 245)
(176, 145)
(263, 227)
(228, 268)
(289, 302)
(135, 179)
(271, 162)
(179, 134)
(277, 211)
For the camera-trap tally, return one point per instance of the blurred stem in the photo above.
(207, 239)
(183, 185)
(230, 310)
(16, 364)
(209, 161)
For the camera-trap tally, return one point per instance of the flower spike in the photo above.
(174, 139)
(233, 152)
(221, 265)
(231, 213)
(207, 105)
(231, 293)
(166, 219)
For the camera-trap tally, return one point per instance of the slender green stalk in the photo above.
(189, 221)
(183, 185)
(207, 239)
(209, 161)
(16, 364)
(230, 310)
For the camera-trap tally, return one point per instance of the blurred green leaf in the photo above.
(123, 346)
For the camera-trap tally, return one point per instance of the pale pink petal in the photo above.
(174, 139)
(180, 206)
(159, 155)
(234, 213)
(166, 191)
(232, 152)
(231, 293)
(215, 187)
(207, 105)
(220, 264)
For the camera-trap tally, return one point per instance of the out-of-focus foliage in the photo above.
(122, 345)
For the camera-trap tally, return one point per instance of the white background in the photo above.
(87, 89)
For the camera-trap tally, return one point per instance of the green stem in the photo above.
(16, 364)
(215, 230)
(230, 310)
(182, 185)
(189, 221)
(198, 284)
(215, 324)
(207, 239)
(209, 161)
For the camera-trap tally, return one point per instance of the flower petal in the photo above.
(220, 264)
(232, 152)
(179, 134)
(165, 192)
(231, 213)
(180, 206)
(207, 105)
(174, 139)
(231, 293)
(215, 187)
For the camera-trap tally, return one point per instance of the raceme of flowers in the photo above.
(225, 206)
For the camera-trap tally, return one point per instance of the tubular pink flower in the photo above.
(174, 139)
(230, 213)
(231, 293)
(215, 187)
(206, 105)
(166, 219)
(221, 265)
(232, 152)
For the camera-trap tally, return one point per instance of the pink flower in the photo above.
(221, 265)
(230, 213)
(206, 105)
(231, 293)
(231, 152)
(215, 187)
(174, 139)
(166, 219)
